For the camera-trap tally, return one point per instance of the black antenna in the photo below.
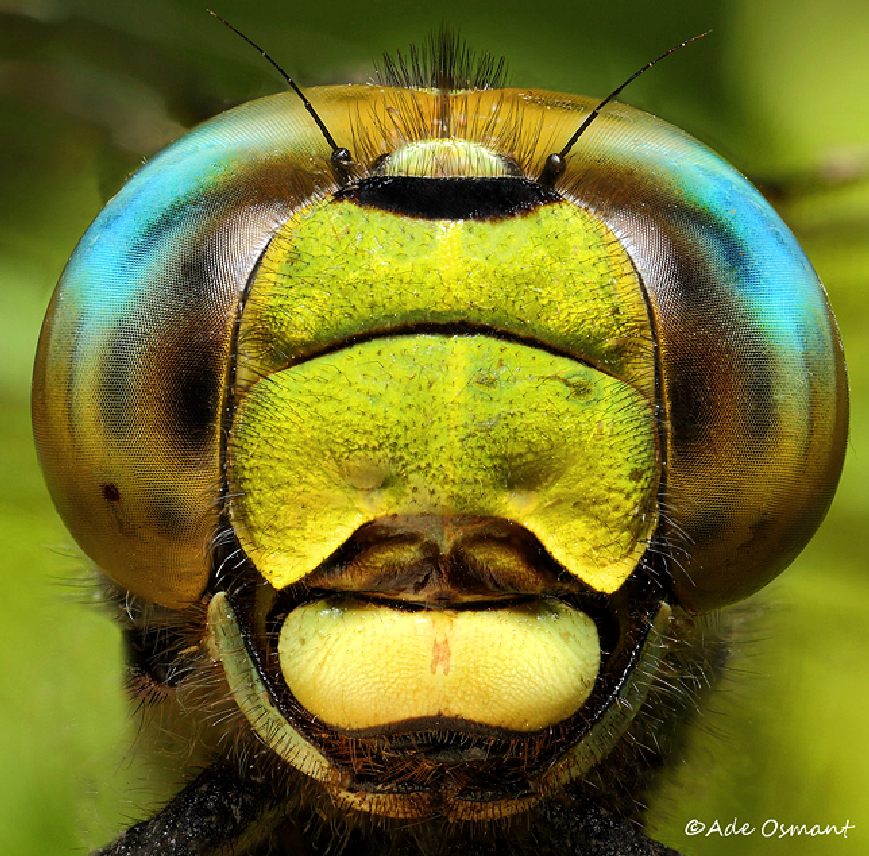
(554, 165)
(341, 158)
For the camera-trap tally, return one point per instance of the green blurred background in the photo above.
(90, 88)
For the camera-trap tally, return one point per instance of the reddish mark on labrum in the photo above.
(440, 655)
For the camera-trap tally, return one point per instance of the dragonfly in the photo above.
(419, 430)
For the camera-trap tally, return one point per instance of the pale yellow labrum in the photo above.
(360, 665)
(426, 424)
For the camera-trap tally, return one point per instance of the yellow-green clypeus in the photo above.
(465, 425)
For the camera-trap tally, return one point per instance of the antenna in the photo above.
(554, 165)
(341, 159)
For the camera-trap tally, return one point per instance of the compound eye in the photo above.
(134, 358)
(758, 408)
(128, 429)
(752, 384)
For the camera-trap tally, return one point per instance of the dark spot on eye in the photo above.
(157, 233)
(167, 516)
(708, 524)
(110, 492)
(692, 399)
(761, 414)
(193, 398)
(115, 388)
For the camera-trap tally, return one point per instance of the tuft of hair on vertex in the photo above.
(443, 62)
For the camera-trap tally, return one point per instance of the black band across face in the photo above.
(449, 198)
